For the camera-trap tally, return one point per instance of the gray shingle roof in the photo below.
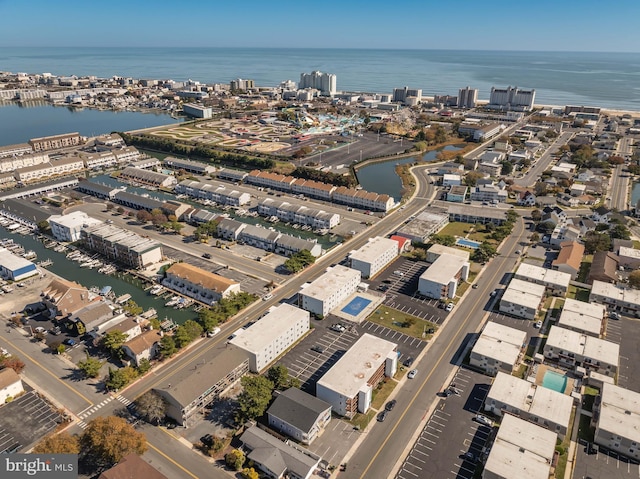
(298, 408)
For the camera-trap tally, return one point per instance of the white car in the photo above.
(538, 324)
(484, 420)
(267, 297)
(449, 307)
(213, 332)
(412, 373)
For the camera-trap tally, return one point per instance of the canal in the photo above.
(381, 176)
(121, 283)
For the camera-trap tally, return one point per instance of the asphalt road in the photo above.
(619, 190)
(385, 443)
(534, 173)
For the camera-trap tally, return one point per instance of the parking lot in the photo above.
(451, 432)
(592, 463)
(624, 332)
(321, 349)
(26, 420)
(399, 282)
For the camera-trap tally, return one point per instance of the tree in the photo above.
(119, 378)
(250, 473)
(207, 319)
(144, 365)
(143, 216)
(472, 178)
(113, 341)
(12, 362)
(187, 332)
(120, 210)
(445, 240)
(634, 279)
(62, 443)
(43, 226)
(298, 261)
(535, 237)
(546, 226)
(90, 367)
(279, 376)
(484, 253)
(132, 308)
(254, 398)
(507, 167)
(619, 231)
(151, 406)
(594, 241)
(158, 220)
(167, 346)
(235, 459)
(106, 440)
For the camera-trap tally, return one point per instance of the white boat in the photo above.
(173, 301)
(30, 255)
(157, 289)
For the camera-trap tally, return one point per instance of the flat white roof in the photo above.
(331, 282)
(443, 269)
(620, 412)
(587, 346)
(440, 249)
(586, 317)
(266, 330)
(13, 262)
(629, 252)
(75, 219)
(524, 293)
(521, 449)
(614, 293)
(355, 368)
(544, 403)
(374, 248)
(543, 275)
(500, 342)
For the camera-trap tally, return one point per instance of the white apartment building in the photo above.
(373, 256)
(586, 318)
(579, 352)
(512, 98)
(268, 338)
(522, 299)
(11, 163)
(103, 159)
(68, 227)
(617, 420)
(325, 82)
(348, 385)
(467, 97)
(521, 450)
(197, 111)
(199, 284)
(555, 282)
(16, 149)
(441, 279)
(127, 154)
(624, 300)
(436, 250)
(291, 213)
(329, 290)
(217, 193)
(55, 142)
(59, 167)
(498, 349)
(545, 407)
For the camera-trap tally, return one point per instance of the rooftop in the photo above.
(547, 276)
(615, 293)
(523, 293)
(573, 342)
(298, 408)
(500, 342)
(11, 261)
(373, 249)
(331, 282)
(439, 249)
(353, 370)
(206, 279)
(443, 269)
(620, 412)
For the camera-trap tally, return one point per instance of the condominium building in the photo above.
(498, 349)
(15, 150)
(217, 193)
(522, 299)
(511, 98)
(146, 177)
(441, 279)
(586, 318)
(325, 82)
(555, 282)
(617, 420)
(348, 385)
(268, 338)
(241, 85)
(122, 246)
(55, 142)
(199, 284)
(581, 353)
(538, 404)
(63, 166)
(190, 166)
(67, 227)
(329, 290)
(467, 97)
(12, 163)
(624, 300)
(197, 111)
(373, 256)
(292, 213)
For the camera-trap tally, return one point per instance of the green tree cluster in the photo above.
(119, 378)
(224, 309)
(299, 261)
(90, 367)
(187, 332)
(279, 376)
(254, 398)
(324, 176)
(207, 230)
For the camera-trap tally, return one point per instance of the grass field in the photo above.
(399, 321)
(381, 393)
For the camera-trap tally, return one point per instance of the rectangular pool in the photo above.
(554, 381)
(356, 306)
(467, 243)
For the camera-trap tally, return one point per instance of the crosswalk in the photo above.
(96, 407)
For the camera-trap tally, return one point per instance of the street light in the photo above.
(360, 155)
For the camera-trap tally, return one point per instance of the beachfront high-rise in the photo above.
(467, 97)
(511, 98)
(325, 82)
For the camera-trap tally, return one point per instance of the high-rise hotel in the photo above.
(325, 82)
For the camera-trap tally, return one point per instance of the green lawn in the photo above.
(382, 392)
(563, 448)
(394, 319)
(361, 421)
(585, 266)
(579, 294)
(456, 229)
(584, 429)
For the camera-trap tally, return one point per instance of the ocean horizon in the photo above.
(606, 79)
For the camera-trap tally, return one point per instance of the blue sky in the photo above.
(558, 25)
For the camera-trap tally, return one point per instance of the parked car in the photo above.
(213, 332)
(206, 256)
(412, 373)
(267, 297)
(382, 416)
(538, 324)
(390, 405)
(398, 273)
(475, 286)
(469, 456)
(614, 315)
(483, 420)
(317, 348)
(207, 439)
(69, 342)
(449, 307)
(338, 328)
(408, 362)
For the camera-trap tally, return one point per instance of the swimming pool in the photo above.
(554, 381)
(356, 306)
(467, 243)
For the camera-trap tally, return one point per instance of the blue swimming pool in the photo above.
(356, 306)
(467, 243)
(554, 381)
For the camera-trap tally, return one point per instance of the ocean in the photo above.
(608, 80)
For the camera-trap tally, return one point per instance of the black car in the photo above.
(206, 256)
(382, 416)
(390, 405)
(207, 439)
(408, 362)
(317, 348)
